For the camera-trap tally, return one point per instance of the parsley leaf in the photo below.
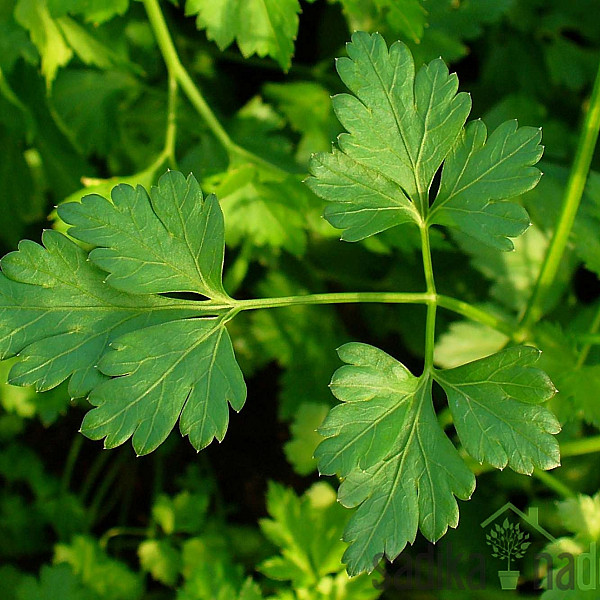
(307, 530)
(401, 128)
(479, 173)
(398, 466)
(263, 27)
(190, 374)
(495, 405)
(76, 324)
(169, 241)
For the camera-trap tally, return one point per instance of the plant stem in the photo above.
(431, 304)
(119, 531)
(593, 339)
(477, 314)
(176, 69)
(185, 82)
(335, 298)
(458, 306)
(578, 447)
(65, 482)
(171, 132)
(571, 201)
(588, 345)
(553, 483)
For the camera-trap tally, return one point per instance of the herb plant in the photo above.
(131, 304)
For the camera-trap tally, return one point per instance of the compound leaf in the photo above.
(59, 314)
(495, 406)
(400, 128)
(400, 469)
(169, 241)
(263, 27)
(478, 174)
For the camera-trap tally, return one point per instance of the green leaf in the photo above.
(263, 27)
(161, 559)
(87, 47)
(479, 173)
(267, 212)
(397, 465)
(299, 450)
(169, 241)
(407, 17)
(184, 513)
(495, 406)
(578, 384)
(400, 469)
(56, 581)
(93, 11)
(189, 374)
(401, 127)
(513, 275)
(466, 341)
(34, 16)
(110, 579)
(307, 530)
(61, 317)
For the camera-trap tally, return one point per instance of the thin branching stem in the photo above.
(572, 198)
(191, 90)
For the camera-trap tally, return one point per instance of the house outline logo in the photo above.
(532, 519)
(509, 578)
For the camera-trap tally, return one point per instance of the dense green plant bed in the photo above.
(175, 167)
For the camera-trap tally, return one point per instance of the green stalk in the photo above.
(554, 484)
(588, 445)
(65, 482)
(334, 298)
(458, 306)
(185, 82)
(171, 132)
(588, 345)
(571, 201)
(431, 304)
(477, 314)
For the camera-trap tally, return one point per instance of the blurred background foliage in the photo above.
(85, 102)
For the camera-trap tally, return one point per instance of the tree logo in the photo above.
(508, 542)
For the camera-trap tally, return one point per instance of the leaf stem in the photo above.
(458, 306)
(335, 298)
(588, 345)
(553, 483)
(477, 314)
(74, 450)
(570, 205)
(171, 131)
(578, 447)
(432, 303)
(191, 90)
